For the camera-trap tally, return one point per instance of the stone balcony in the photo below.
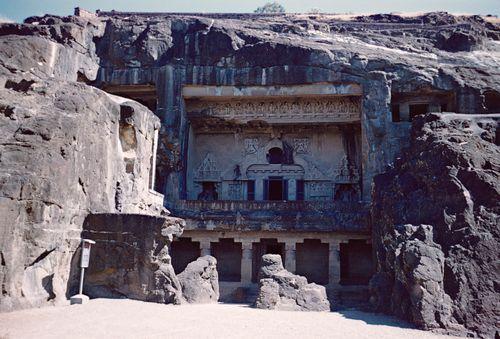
(298, 216)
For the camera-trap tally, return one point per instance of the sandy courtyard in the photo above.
(106, 318)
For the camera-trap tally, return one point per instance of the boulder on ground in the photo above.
(282, 290)
(200, 281)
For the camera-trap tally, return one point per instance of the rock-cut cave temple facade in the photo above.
(271, 146)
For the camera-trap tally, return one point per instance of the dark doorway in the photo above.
(228, 255)
(418, 109)
(265, 246)
(356, 263)
(275, 188)
(312, 261)
(183, 251)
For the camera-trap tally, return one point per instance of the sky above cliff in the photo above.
(17, 10)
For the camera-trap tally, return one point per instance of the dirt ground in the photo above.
(108, 318)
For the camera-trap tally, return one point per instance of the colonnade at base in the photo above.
(326, 259)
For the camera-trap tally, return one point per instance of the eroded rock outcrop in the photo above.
(442, 272)
(282, 290)
(66, 150)
(200, 281)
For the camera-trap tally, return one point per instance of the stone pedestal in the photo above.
(290, 257)
(246, 263)
(334, 263)
(79, 299)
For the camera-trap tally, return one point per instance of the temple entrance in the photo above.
(265, 246)
(275, 188)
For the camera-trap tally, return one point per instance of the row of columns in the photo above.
(290, 264)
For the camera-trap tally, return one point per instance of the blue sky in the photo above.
(17, 10)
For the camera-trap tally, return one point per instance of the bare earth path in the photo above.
(106, 318)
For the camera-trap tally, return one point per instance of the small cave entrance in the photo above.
(144, 94)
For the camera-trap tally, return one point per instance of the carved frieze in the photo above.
(334, 109)
(301, 145)
(320, 190)
(251, 145)
(208, 170)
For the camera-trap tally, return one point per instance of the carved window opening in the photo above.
(396, 116)
(418, 109)
(209, 192)
(346, 193)
(144, 94)
(275, 155)
(300, 194)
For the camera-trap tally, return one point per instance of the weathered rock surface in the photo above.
(66, 150)
(444, 275)
(200, 281)
(130, 258)
(282, 290)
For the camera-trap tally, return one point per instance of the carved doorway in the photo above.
(275, 188)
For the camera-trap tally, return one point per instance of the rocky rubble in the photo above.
(282, 290)
(436, 226)
(200, 281)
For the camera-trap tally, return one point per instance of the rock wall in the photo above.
(130, 258)
(436, 226)
(66, 150)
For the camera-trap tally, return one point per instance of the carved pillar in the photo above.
(334, 263)
(290, 256)
(292, 189)
(259, 189)
(205, 248)
(246, 262)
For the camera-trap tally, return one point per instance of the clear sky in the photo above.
(17, 10)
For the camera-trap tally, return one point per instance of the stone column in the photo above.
(292, 189)
(246, 263)
(290, 256)
(205, 248)
(334, 263)
(259, 189)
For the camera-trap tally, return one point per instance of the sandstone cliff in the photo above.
(436, 226)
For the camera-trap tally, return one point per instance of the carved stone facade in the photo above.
(284, 110)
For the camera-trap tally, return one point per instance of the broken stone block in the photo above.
(200, 281)
(282, 290)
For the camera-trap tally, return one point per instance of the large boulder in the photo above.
(282, 290)
(200, 281)
(131, 257)
(443, 276)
